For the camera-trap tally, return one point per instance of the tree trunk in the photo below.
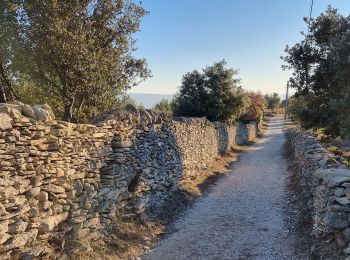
(2, 95)
(68, 111)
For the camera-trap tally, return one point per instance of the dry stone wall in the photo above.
(71, 179)
(246, 132)
(327, 185)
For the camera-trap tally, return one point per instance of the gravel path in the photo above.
(244, 215)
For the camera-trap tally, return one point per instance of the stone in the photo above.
(28, 111)
(121, 144)
(88, 187)
(4, 226)
(57, 209)
(17, 227)
(3, 210)
(8, 193)
(347, 250)
(80, 247)
(71, 194)
(347, 233)
(5, 122)
(11, 110)
(103, 191)
(77, 220)
(42, 196)
(130, 175)
(339, 192)
(19, 241)
(33, 192)
(343, 200)
(56, 189)
(4, 237)
(76, 229)
(335, 221)
(49, 223)
(43, 113)
(334, 177)
(92, 223)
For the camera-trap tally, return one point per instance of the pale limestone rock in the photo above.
(20, 240)
(4, 226)
(28, 111)
(4, 237)
(5, 122)
(43, 113)
(49, 223)
(12, 111)
(33, 192)
(42, 196)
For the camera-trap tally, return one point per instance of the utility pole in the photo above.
(286, 103)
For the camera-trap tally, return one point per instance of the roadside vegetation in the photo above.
(321, 78)
(320, 66)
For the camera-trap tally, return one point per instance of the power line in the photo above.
(311, 7)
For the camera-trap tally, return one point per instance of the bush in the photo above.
(163, 106)
(213, 93)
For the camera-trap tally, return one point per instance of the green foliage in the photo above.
(125, 99)
(213, 93)
(78, 51)
(273, 101)
(30, 93)
(255, 111)
(163, 106)
(9, 47)
(321, 74)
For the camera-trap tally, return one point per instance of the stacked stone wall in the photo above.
(326, 184)
(59, 177)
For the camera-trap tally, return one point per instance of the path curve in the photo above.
(243, 216)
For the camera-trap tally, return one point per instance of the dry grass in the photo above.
(219, 168)
(341, 152)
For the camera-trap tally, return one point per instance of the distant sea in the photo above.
(149, 100)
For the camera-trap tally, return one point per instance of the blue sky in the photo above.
(179, 36)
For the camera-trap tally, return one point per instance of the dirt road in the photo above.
(244, 216)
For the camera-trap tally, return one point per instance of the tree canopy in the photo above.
(79, 53)
(163, 106)
(273, 101)
(213, 93)
(320, 66)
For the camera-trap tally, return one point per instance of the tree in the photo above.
(125, 99)
(255, 111)
(9, 40)
(214, 94)
(320, 66)
(163, 106)
(273, 101)
(80, 52)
